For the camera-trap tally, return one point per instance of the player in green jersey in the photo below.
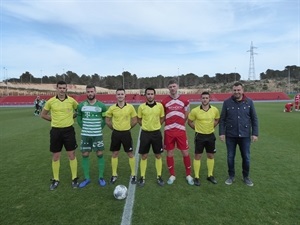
(91, 119)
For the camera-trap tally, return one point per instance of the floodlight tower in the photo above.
(123, 79)
(251, 74)
(178, 76)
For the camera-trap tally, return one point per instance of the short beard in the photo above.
(91, 98)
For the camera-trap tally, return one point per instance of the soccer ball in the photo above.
(120, 192)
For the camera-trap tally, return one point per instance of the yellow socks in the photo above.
(158, 166)
(114, 166)
(132, 165)
(210, 166)
(55, 169)
(143, 167)
(73, 166)
(197, 165)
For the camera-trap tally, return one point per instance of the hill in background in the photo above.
(266, 85)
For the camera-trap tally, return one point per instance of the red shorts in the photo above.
(178, 137)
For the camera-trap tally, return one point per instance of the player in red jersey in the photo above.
(176, 113)
(288, 107)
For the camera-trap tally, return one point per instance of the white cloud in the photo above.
(148, 38)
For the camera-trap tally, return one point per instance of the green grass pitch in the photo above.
(26, 170)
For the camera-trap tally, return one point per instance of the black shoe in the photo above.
(54, 184)
(133, 180)
(113, 179)
(75, 183)
(197, 182)
(212, 179)
(160, 181)
(142, 182)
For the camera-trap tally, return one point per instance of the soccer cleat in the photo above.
(171, 179)
(75, 183)
(142, 182)
(84, 183)
(229, 181)
(101, 182)
(160, 181)
(133, 180)
(54, 184)
(190, 180)
(248, 182)
(113, 179)
(212, 179)
(197, 182)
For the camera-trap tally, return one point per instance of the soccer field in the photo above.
(26, 172)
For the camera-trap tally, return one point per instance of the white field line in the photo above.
(127, 212)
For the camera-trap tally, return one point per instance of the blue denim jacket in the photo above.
(238, 119)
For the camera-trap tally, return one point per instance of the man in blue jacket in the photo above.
(239, 124)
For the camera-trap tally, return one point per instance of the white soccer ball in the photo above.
(120, 192)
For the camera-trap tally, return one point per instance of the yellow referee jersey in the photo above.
(204, 120)
(121, 117)
(61, 111)
(151, 116)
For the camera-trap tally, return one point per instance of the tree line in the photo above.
(131, 81)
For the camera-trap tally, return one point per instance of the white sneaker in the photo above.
(190, 180)
(171, 179)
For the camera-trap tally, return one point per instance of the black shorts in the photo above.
(207, 141)
(121, 137)
(60, 137)
(151, 138)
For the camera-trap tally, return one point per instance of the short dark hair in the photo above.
(238, 84)
(205, 93)
(120, 89)
(90, 86)
(172, 81)
(150, 89)
(61, 82)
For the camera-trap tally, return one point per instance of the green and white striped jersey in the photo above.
(91, 118)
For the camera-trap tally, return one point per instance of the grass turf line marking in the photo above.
(127, 212)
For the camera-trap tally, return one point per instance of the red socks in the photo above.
(187, 164)
(170, 163)
(186, 161)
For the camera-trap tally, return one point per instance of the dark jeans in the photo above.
(244, 146)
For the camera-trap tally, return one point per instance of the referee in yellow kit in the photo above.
(121, 118)
(203, 119)
(60, 111)
(150, 117)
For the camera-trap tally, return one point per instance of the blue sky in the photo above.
(147, 38)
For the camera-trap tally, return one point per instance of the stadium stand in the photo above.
(136, 98)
